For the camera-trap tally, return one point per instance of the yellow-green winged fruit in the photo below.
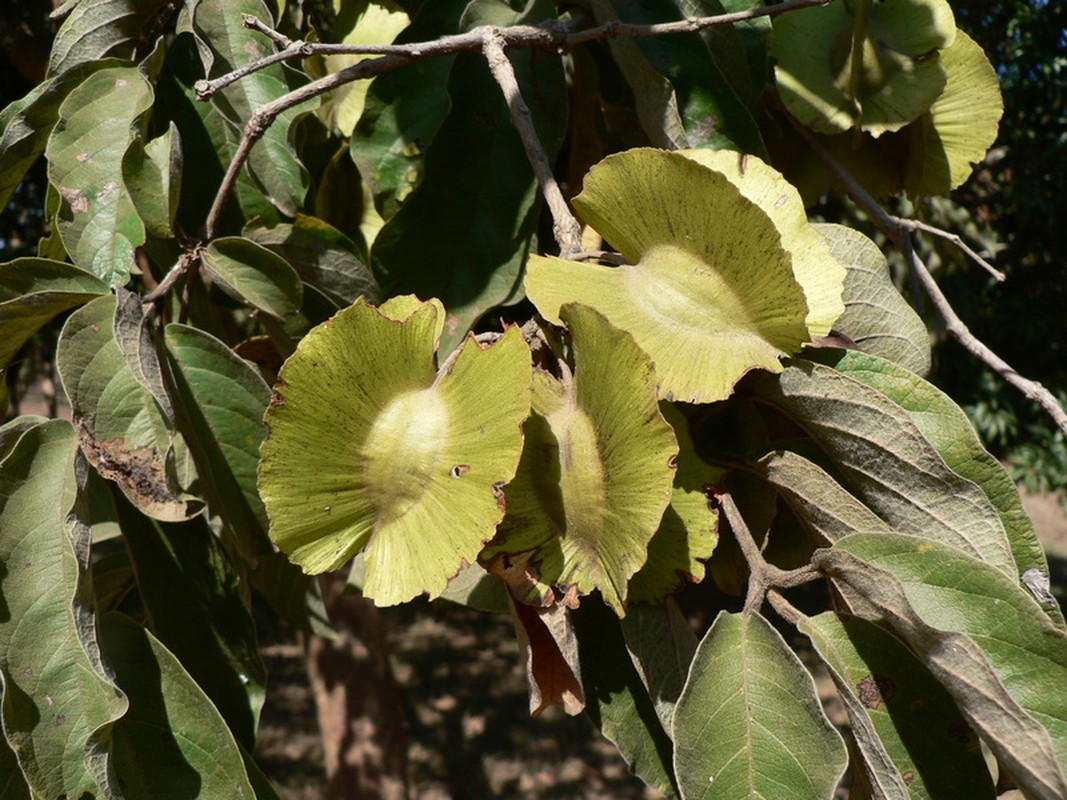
(373, 449)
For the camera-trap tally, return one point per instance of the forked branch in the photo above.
(899, 231)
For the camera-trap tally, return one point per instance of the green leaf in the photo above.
(374, 24)
(980, 634)
(35, 290)
(371, 447)
(323, 257)
(616, 700)
(472, 586)
(913, 741)
(654, 97)
(597, 472)
(173, 742)
(59, 706)
(661, 644)
(193, 595)
(876, 317)
(226, 44)
(219, 403)
(97, 220)
(749, 722)
(867, 65)
(711, 113)
(403, 111)
(947, 428)
(819, 274)
(252, 274)
(294, 596)
(152, 173)
(97, 29)
(26, 123)
(888, 462)
(960, 126)
(688, 531)
(122, 430)
(818, 501)
(709, 292)
(464, 234)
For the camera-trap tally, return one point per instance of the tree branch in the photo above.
(565, 227)
(899, 231)
(763, 577)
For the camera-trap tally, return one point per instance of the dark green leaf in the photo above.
(617, 701)
(219, 402)
(404, 109)
(323, 257)
(59, 706)
(913, 741)
(710, 111)
(749, 722)
(661, 644)
(980, 634)
(225, 44)
(464, 234)
(192, 593)
(294, 596)
(172, 742)
(253, 274)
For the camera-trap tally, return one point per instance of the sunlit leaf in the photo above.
(876, 317)
(33, 291)
(597, 472)
(172, 741)
(97, 29)
(26, 123)
(122, 430)
(868, 65)
(371, 447)
(947, 428)
(97, 219)
(913, 741)
(889, 464)
(709, 292)
(749, 722)
(59, 704)
(152, 173)
(376, 24)
(960, 126)
(980, 634)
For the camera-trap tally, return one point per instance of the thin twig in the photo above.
(901, 237)
(915, 225)
(785, 609)
(565, 227)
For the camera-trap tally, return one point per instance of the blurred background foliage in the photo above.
(1011, 211)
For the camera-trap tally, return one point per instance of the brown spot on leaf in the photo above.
(276, 400)
(498, 493)
(139, 471)
(875, 690)
(84, 158)
(908, 777)
(79, 203)
(460, 470)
